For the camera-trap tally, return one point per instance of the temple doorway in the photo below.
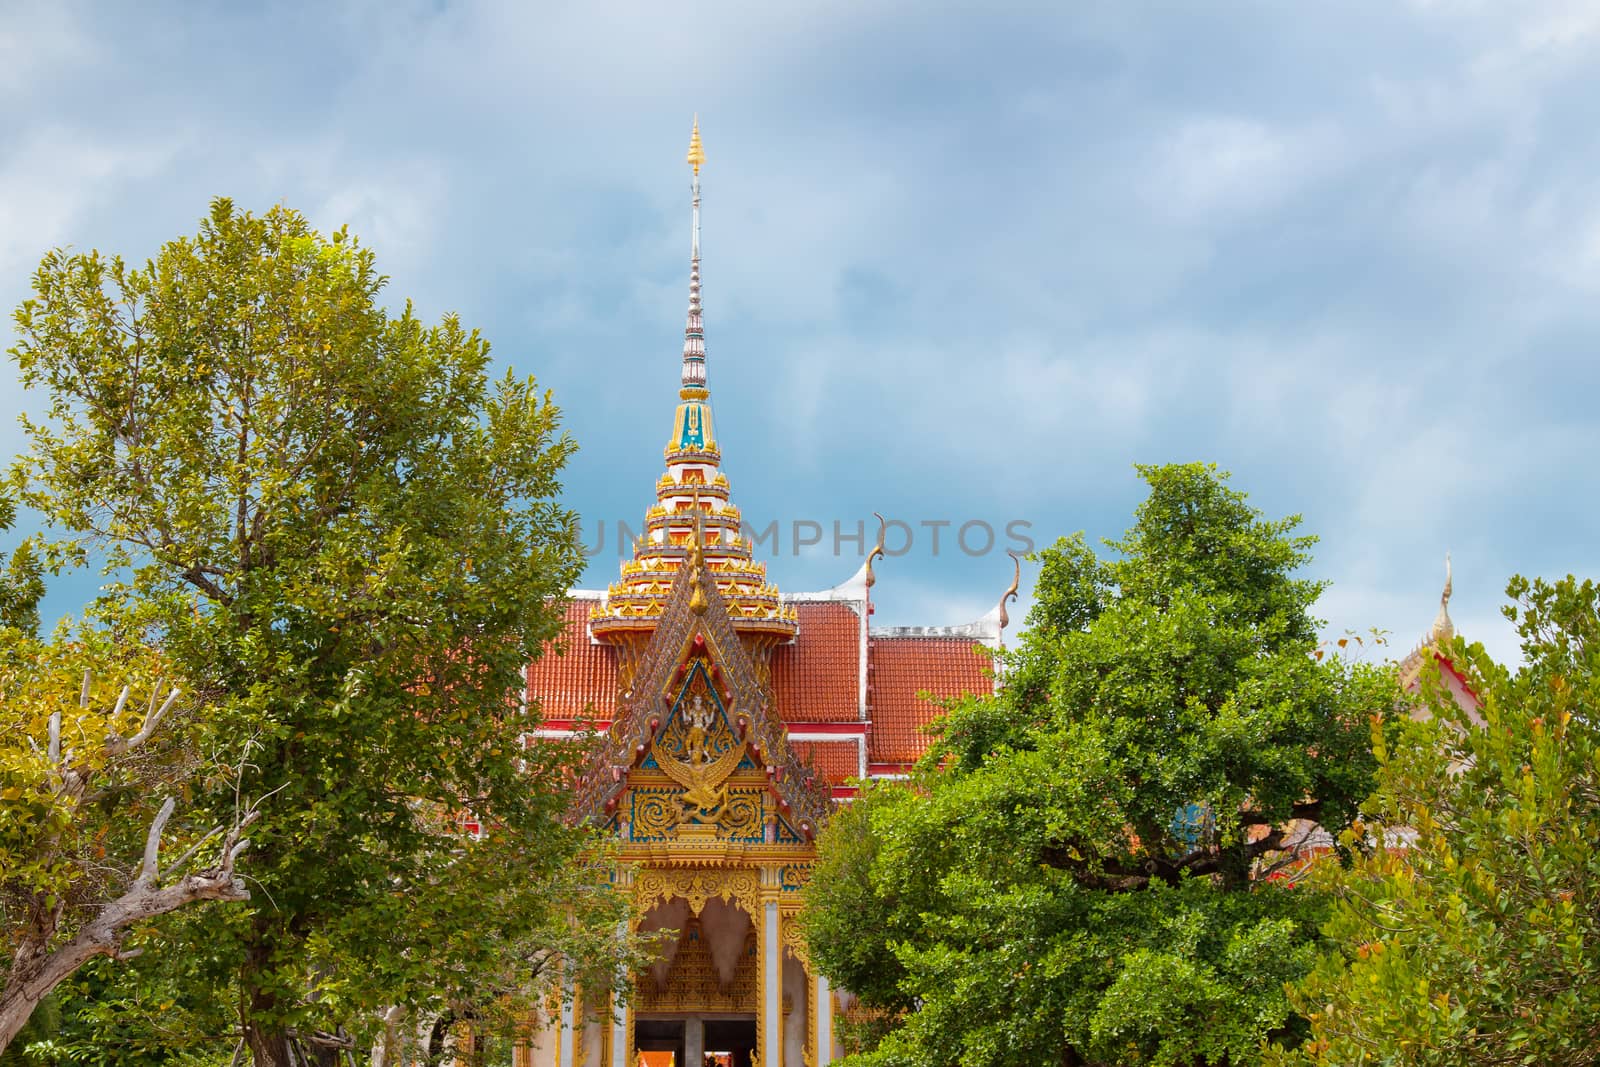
(720, 1042)
(659, 1043)
(729, 1042)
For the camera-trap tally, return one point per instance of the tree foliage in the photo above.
(1468, 932)
(347, 532)
(1097, 865)
(21, 581)
(88, 787)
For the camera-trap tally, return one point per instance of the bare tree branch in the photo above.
(118, 746)
(149, 869)
(37, 968)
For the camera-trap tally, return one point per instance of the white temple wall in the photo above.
(542, 1043)
(593, 1038)
(796, 990)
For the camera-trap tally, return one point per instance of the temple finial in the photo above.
(1443, 628)
(697, 154)
(694, 337)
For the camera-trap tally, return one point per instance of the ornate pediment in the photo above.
(695, 712)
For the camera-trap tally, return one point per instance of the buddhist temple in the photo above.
(732, 717)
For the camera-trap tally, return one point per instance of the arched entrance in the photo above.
(701, 996)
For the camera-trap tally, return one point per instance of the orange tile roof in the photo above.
(818, 677)
(836, 761)
(575, 678)
(900, 668)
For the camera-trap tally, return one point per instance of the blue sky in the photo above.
(961, 262)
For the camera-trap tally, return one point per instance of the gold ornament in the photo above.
(739, 885)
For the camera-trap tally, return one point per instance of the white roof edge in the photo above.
(852, 590)
(985, 630)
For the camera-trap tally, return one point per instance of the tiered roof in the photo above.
(574, 681)
(693, 494)
(818, 679)
(844, 722)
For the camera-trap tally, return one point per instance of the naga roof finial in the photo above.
(877, 551)
(1443, 628)
(1011, 593)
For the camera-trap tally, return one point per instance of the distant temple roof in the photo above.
(1433, 651)
(1439, 634)
(904, 667)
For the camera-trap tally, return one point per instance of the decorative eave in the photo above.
(988, 629)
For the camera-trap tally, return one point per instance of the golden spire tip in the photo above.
(697, 154)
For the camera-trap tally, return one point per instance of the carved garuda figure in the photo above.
(709, 757)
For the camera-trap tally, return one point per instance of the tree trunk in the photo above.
(39, 961)
(269, 1046)
(259, 1010)
(38, 971)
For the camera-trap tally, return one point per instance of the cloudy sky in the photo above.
(961, 262)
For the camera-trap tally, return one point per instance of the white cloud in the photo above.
(1111, 241)
(1545, 33)
(1226, 165)
(54, 176)
(396, 210)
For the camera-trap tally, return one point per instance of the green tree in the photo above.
(1468, 932)
(1099, 864)
(22, 581)
(349, 534)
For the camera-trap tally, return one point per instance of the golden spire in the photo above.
(694, 337)
(697, 154)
